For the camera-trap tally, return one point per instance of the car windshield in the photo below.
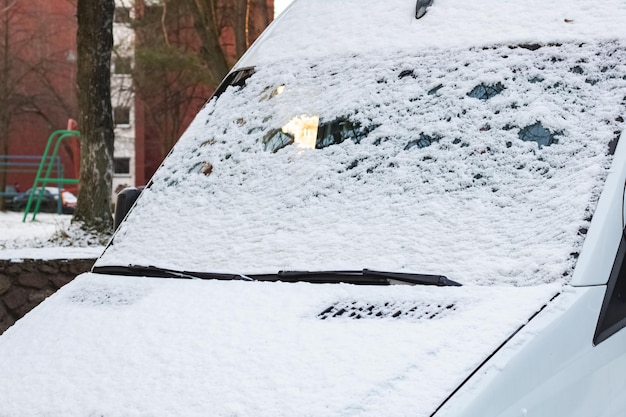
(483, 165)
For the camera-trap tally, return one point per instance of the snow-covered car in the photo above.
(470, 157)
(49, 200)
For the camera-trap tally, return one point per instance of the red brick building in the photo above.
(43, 46)
(156, 133)
(37, 79)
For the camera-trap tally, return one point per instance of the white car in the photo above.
(471, 158)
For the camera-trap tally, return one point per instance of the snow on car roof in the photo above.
(481, 164)
(318, 28)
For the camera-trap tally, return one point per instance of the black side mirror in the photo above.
(125, 200)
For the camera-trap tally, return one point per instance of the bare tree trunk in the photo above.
(4, 93)
(4, 150)
(242, 26)
(94, 44)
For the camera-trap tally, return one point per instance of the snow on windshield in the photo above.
(482, 164)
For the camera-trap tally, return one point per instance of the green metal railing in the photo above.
(40, 182)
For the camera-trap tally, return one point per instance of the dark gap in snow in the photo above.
(234, 79)
(577, 70)
(613, 143)
(485, 92)
(422, 142)
(435, 89)
(276, 139)
(353, 165)
(336, 132)
(421, 7)
(530, 46)
(329, 133)
(537, 133)
(406, 73)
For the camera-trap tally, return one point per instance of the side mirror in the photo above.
(125, 200)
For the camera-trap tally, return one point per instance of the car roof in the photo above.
(318, 28)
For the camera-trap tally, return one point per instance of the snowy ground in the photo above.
(49, 237)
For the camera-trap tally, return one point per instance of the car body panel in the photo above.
(593, 267)
(552, 368)
(252, 348)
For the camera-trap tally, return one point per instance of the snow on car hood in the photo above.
(125, 346)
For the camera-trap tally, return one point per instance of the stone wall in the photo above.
(25, 284)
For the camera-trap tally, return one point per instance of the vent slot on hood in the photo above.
(404, 310)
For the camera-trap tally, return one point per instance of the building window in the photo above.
(122, 15)
(121, 115)
(121, 166)
(613, 312)
(122, 65)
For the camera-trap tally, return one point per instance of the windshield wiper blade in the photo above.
(157, 272)
(420, 279)
(362, 277)
(365, 277)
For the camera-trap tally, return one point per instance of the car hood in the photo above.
(126, 346)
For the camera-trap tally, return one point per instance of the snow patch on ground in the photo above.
(50, 236)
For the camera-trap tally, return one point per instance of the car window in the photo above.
(613, 312)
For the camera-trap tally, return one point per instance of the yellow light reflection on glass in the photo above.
(304, 130)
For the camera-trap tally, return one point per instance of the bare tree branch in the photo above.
(5, 9)
(163, 25)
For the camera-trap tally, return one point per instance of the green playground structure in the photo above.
(37, 190)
